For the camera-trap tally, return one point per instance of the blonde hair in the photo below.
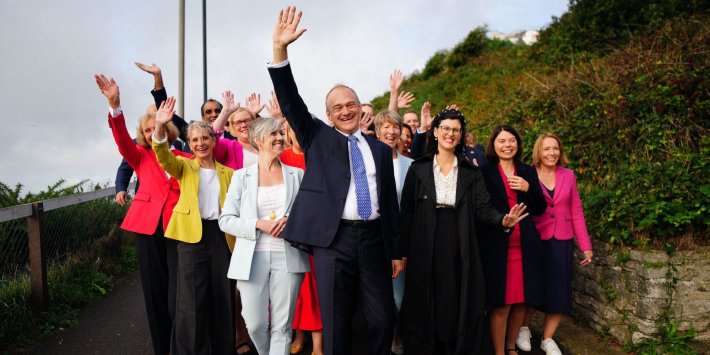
(172, 130)
(388, 116)
(537, 150)
(234, 115)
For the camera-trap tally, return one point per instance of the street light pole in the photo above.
(204, 48)
(181, 60)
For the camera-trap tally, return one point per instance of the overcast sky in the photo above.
(54, 122)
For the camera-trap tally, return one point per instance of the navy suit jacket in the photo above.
(319, 205)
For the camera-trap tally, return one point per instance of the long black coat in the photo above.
(418, 210)
(494, 247)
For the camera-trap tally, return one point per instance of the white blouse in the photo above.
(249, 158)
(208, 194)
(445, 184)
(270, 206)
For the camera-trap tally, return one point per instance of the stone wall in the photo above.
(625, 293)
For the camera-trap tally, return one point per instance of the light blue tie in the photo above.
(362, 192)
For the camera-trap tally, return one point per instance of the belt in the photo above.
(359, 222)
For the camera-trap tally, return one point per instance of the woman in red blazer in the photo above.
(562, 221)
(149, 215)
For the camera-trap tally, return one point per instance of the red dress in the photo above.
(514, 289)
(307, 315)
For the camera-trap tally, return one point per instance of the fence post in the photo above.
(38, 260)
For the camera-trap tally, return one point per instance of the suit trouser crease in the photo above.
(352, 270)
(203, 319)
(271, 292)
(157, 265)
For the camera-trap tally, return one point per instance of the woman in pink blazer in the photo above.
(562, 221)
(149, 215)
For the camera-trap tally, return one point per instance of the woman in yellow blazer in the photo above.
(203, 322)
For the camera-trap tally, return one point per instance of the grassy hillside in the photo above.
(631, 103)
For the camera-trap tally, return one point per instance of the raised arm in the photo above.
(294, 109)
(398, 99)
(167, 160)
(274, 108)
(286, 32)
(227, 109)
(253, 103)
(126, 145)
(160, 95)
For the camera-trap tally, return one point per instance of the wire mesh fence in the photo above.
(70, 226)
(13, 248)
(74, 228)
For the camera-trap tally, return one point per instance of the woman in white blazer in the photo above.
(268, 270)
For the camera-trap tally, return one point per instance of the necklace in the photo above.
(272, 215)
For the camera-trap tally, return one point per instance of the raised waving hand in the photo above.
(253, 103)
(163, 116)
(109, 88)
(286, 31)
(274, 108)
(229, 106)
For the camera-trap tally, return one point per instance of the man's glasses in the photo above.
(209, 111)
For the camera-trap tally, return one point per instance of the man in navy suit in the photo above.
(346, 209)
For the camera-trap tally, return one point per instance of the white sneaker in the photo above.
(550, 347)
(523, 340)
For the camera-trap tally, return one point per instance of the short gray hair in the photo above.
(262, 127)
(201, 125)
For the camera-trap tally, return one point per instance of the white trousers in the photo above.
(270, 284)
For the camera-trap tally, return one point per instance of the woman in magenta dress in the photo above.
(512, 262)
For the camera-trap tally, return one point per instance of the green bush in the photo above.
(597, 27)
(472, 46)
(633, 118)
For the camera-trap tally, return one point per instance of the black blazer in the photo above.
(316, 212)
(494, 243)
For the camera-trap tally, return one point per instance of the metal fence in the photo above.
(35, 235)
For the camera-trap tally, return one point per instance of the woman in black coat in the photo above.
(512, 262)
(444, 199)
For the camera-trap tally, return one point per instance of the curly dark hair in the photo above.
(446, 114)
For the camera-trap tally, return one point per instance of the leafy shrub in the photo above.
(596, 27)
(469, 48)
(634, 120)
(435, 64)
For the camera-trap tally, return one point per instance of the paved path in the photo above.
(116, 324)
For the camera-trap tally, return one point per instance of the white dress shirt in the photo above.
(350, 210)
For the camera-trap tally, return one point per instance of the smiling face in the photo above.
(147, 128)
(405, 139)
(239, 124)
(411, 119)
(448, 134)
(505, 145)
(343, 109)
(201, 143)
(550, 153)
(389, 134)
(210, 111)
(272, 143)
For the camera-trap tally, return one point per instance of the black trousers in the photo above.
(203, 318)
(354, 269)
(157, 262)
